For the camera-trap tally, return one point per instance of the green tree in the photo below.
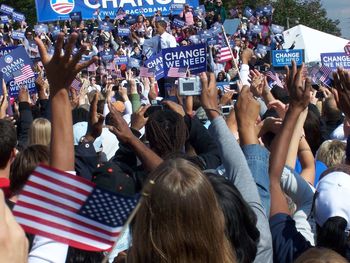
(307, 12)
(27, 7)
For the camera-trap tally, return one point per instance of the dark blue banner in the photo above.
(334, 60)
(156, 62)
(52, 10)
(281, 58)
(12, 62)
(6, 50)
(193, 57)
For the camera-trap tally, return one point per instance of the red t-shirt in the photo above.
(5, 186)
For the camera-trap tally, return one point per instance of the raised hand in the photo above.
(23, 95)
(247, 112)
(138, 119)
(257, 84)
(119, 126)
(299, 90)
(95, 124)
(341, 90)
(209, 95)
(62, 69)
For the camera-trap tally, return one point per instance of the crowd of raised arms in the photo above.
(267, 180)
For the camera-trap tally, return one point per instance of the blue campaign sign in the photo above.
(134, 63)
(12, 62)
(179, 23)
(248, 12)
(123, 31)
(334, 60)
(106, 55)
(256, 29)
(41, 29)
(231, 25)
(6, 9)
(281, 58)
(277, 29)
(18, 16)
(156, 62)
(105, 26)
(4, 19)
(193, 57)
(17, 34)
(52, 10)
(120, 60)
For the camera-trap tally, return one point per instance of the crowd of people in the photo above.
(267, 181)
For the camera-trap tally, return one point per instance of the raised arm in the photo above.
(120, 128)
(299, 92)
(235, 164)
(61, 71)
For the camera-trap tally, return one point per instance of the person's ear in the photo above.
(13, 154)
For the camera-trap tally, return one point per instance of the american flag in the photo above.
(225, 54)
(326, 71)
(71, 210)
(76, 84)
(146, 72)
(347, 48)
(275, 78)
(177, 72)
(23, 74)
(92, 68)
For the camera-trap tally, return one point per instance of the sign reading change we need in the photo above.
(281, 58)
(335, 60)
(192, 57)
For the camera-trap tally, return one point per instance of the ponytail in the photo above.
(332, 235)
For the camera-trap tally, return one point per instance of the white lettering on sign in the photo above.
(115, 3)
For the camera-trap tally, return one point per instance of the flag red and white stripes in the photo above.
(76, 84)
(274, 77)
(347, 48)
(49, 204)
(177, 72)
(146, 72)
(225, 54)
(23, 74)
(326, 71)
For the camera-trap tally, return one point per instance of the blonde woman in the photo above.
(40, 132)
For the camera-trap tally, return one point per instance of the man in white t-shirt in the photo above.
(93, 86)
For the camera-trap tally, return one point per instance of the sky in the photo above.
(339, 9)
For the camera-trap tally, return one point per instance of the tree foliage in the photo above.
(26, 7)
(307, 12)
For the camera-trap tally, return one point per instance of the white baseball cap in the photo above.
(333, 198)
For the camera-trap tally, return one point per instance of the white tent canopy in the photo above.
(314, 42)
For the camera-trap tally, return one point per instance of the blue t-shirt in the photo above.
(320, 167)
(288, 242)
